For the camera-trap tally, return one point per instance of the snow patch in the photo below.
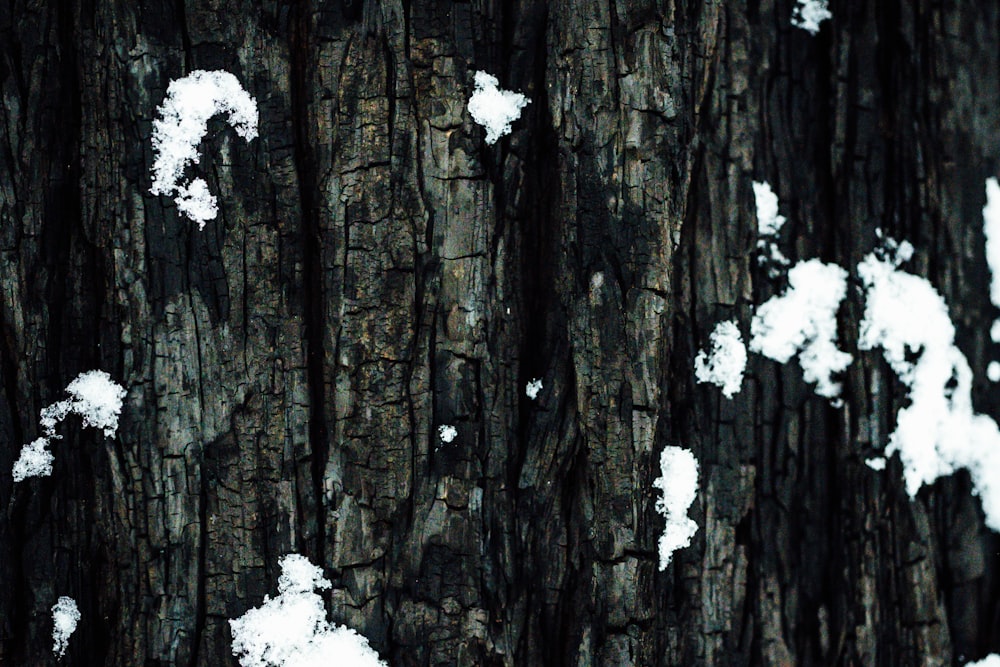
(493, 108)
(877, 463)
(992, 660)
(808, 14)
(769, 224)
(803, 320)
(447, 433)
(291, 630)
(725, 364)
(35, 460)
(679, 483)
(65, 616)
(993, 371)
(938, 432)
(769, 221)
(95, 397)
(533, 387)
(182, 124)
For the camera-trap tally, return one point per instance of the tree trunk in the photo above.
(378, 271)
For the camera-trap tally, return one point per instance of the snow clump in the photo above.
(493, 108)
(991, 230)
(183, 123)
(679, 483)
(803, 320)
(65, 616)
(725, 364)
(769, 224)
(808, 14)
(291, 630)
(95, 397)
(533, 387)
(938, 432)
(447, 433)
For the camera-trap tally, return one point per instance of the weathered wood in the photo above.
(378, 271)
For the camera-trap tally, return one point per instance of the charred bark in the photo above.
(378, 271)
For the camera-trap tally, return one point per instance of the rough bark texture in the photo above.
(378, 271)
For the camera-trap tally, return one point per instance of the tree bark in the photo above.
(378, 271)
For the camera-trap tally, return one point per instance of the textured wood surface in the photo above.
(378, 271)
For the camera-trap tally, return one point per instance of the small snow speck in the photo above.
(447, 433)
(493, 108)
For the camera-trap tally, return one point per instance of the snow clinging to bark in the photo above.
(808, 14)
(938, 432)
(991, 230)
(725, 364)
(65, 616)
(769, 224)
(95, 397)
(182, 124)
(291, 630)
(679, 483)
(803, 320)
(532, 388)
(493, 108)
(447, 433)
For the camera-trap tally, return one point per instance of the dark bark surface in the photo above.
(377, 271)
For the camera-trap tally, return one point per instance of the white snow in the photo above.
(803, 320)
(993, 371)
(533, 387)
(35, 460)
(191, 101)
(992, 660)
(769, 221)
(65, 616)
(447, 432)
(876, 463)
(679, 484)
(493, 108)
(95, 397)
(725, 364)
(808, 14)
(938, 432)
(291, 630)
(995, 331)
(769, 224)
(991, 230)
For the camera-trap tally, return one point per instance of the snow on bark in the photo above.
(679, 483)
(938, 432)
(95, 397)
(808, 14)
(803, 321)
(291, 630)
(493, 108)
(65, 616)
(723, 366)
(182, 124)
(769, 224)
